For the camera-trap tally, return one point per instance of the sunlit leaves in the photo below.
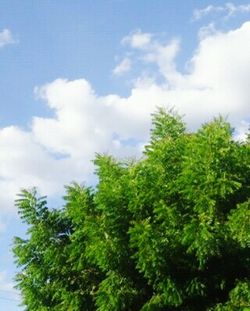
(168, 232)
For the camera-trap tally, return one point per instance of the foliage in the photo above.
(168, 232)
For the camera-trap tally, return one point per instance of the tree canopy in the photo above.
(170, 231)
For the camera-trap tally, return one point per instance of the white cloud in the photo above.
(227, 10)
(24, 162)
(59, 149)
(6, 38)
(137, 39)
(207, 31)
(200, 13)
(85, 123)
(164, 56)
(123, 67)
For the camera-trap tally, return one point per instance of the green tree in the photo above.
(168, 232)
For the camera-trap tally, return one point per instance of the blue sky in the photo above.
(79, 77)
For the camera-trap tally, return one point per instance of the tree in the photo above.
(168, 232)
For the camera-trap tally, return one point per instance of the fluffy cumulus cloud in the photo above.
(6, 37)
(24, 162)
(137, 39)
(59, 149)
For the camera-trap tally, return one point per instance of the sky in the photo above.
(83, 77)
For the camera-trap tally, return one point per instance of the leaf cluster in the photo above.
(168, 232)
